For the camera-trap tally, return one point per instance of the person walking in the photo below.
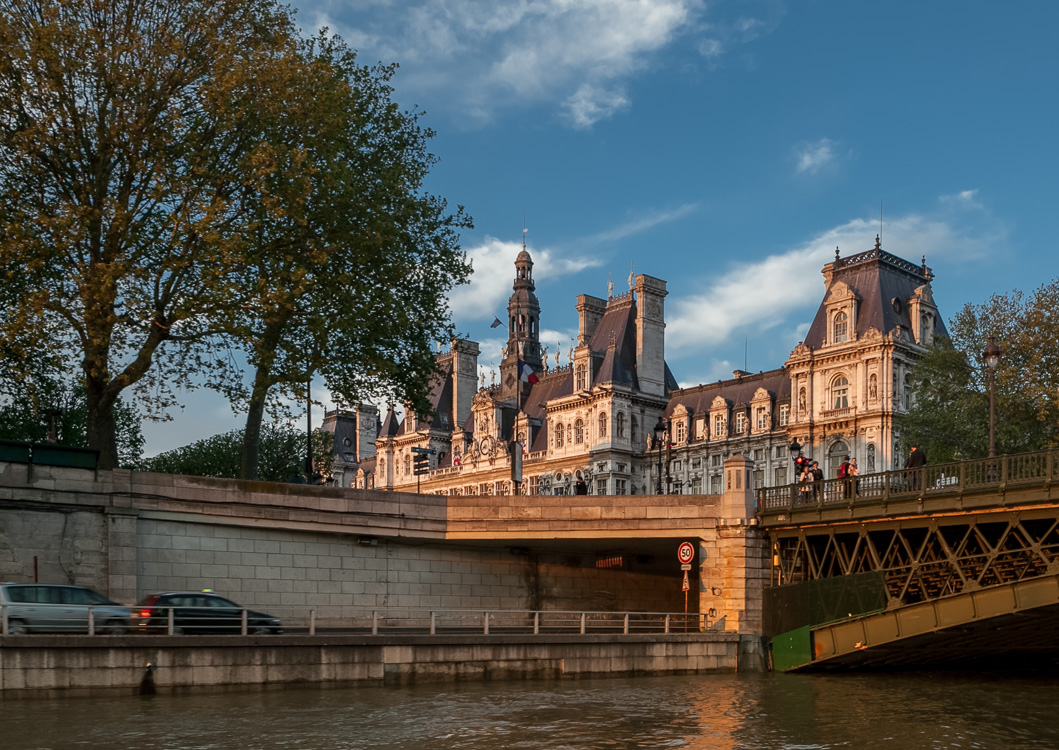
(805, 484)
(854, 472)
(818, 477)
(917, 459)
(847, 482)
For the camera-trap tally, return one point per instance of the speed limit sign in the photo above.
(685, 552)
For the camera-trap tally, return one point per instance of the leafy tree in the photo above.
(350, 261)
(282, 455)
(24, 416)
(122, 148)
(950, 415)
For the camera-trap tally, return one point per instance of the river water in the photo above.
(770, 711)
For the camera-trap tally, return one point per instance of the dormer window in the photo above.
(582, 377)
(841, 328)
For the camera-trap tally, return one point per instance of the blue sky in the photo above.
(725, 147)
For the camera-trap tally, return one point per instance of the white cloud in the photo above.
(750, 298)
(649, 220)
(812, 157)
(490, 54)
(590, 104)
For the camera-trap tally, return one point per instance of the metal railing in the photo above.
(983, 474)
(358, 621)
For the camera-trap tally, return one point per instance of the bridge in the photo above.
(934, 565)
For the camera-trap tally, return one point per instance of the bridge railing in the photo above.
(933, 480)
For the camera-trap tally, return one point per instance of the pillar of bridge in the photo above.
(735, 565)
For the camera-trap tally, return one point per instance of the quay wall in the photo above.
(42, 666)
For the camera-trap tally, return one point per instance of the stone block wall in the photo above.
(68, 545)
(293, 570)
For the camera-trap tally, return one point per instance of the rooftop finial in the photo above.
(632, 275)
(836, 253)
(878, 243)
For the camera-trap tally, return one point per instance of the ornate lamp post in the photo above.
(660, 435)
(796, 450)
(991, 356)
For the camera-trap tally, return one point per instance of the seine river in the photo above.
(862, 712)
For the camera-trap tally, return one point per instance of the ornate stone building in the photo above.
(595, 418)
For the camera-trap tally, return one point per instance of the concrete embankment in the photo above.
(38, 666)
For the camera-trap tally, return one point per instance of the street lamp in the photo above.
(660, 434)
(991, 355)
(796, 450)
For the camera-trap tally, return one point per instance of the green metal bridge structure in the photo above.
(947, 565)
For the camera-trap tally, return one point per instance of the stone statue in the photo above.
(544, 356)
(557, 348)
(570, 354)
(483, 379)
(610, 288)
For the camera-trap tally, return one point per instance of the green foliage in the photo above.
(24, 417)
(282, 456)
(950, 415)
(349, 260)
(120, 151)
(183, 178)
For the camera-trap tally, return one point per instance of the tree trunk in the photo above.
(254, 414)
(101, 429)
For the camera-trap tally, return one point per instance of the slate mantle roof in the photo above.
(737, 391)
(878, 278)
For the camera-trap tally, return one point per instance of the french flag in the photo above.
(525, 373)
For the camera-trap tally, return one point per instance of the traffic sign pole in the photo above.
(685, 554)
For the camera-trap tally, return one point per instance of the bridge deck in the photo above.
(1025, 478)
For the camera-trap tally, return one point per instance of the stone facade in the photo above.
(594, 417)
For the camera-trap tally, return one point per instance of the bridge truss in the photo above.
(926, 557)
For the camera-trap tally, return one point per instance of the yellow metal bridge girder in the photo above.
(852, 641)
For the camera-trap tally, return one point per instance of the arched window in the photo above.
(682, 431)
(407, 464)
(581, 379)
(579, 431)
(558, 434)
(841, 327)
(840, 393)
(603, 424)
(838, 453)
(620, 419)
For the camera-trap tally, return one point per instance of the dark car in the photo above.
(58, 608)
(200, 612)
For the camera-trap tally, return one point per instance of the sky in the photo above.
(725, 147)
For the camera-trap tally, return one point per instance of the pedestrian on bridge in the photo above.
(917, 459)
(805, 484)
(846, 477)
(818, 477)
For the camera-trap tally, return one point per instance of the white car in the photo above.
(57, 608)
